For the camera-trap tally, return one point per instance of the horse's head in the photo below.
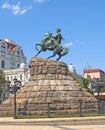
(36, 46)
(48, 36)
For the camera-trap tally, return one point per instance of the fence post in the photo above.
(80, 114)
(49, 110)
(14, 115)
(13, 89)
(99, 105)
(80, 102)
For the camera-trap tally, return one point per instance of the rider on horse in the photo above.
(54, 41)
(57, 37)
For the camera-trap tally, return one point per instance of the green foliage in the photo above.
(85, 82)
(90, 91)
(74, 76)
(102, 87)
(2, 77)
(71, 115)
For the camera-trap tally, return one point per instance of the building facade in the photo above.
(94, 74)
(22, 74)
(4, 91)
(11, 55)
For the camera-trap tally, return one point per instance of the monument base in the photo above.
(50, 87)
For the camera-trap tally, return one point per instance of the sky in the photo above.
(82, 24)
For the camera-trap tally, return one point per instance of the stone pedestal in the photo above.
(50, 82)
(44, 69)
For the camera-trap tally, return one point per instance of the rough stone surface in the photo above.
(50, 82)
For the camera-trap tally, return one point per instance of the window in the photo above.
(2, 64)
(12, 65)
(11, 78)
(18, 65)
(20, 77)
(7, 78)
(8, 86)
(26, 76)
(3, 47)
(18, 51)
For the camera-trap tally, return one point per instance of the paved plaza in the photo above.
(53, 127)
(79, 123)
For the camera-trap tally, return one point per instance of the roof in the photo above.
(93, 71)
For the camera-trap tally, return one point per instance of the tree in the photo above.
(2, 77)
(102, 87)
(85, 82)
(2, 81)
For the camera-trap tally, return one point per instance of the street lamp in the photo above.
(13, 89)
(96, 86)
(99, 84)
(99, 87)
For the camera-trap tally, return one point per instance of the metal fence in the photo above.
(62, 109)
(55, 109)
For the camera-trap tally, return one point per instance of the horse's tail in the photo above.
(65, 51)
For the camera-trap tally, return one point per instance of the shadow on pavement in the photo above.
(62, 127)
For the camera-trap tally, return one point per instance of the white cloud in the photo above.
(76, 42)
(25, 9)
(39, 1)
(69, 44)
(16, 8)
(6, 6)
(79, 42)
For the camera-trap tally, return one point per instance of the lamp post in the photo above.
(99, 98)
(99, 84)
(96, 85)
(13, 89)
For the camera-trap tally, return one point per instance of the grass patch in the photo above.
(59, 115)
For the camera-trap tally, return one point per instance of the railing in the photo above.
(63, 109)
(55, 109)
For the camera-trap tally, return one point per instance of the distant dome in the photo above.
(71, 68)
(22, 65)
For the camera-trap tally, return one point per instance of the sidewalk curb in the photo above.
(55, 121)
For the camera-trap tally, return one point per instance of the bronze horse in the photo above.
(49, 43)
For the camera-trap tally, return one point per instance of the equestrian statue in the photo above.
(52, 43)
